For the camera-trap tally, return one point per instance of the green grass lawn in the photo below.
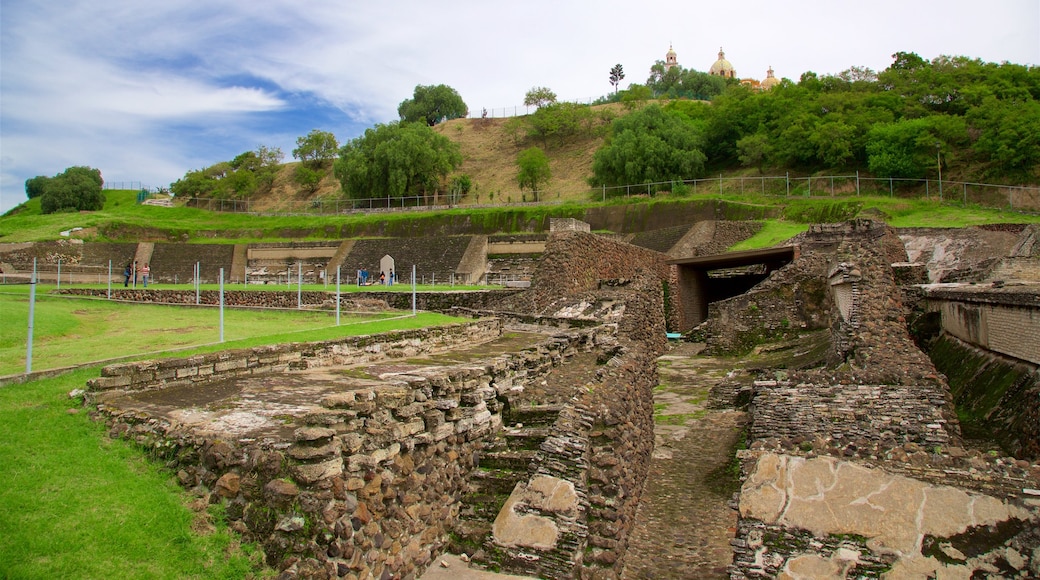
(75, 504)
(71, 330)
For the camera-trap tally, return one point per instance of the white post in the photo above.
(222, 305)
(413, 289)
(299, 285)
(337, 295)
(110, 279)
(32, 313)
(59, 274)
(198, 283)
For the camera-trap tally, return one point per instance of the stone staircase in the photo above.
(505, 461)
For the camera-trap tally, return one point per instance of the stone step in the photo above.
(509, 460)
(496, 481)
(531, 415)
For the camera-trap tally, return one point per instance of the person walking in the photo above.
(127, 272)
(145, 271)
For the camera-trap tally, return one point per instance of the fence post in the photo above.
(59, 275)
(720, 184)
(890, 194)
(32, 312)
(857, 182)
(787, 178)
(222, 305)
(965, 194)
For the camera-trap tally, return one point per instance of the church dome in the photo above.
(722, 67)
(770, 81)
(670, 59)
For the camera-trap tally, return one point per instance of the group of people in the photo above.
(132, 271)
(362, 278)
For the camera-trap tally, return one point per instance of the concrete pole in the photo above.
(222, 305)
(32, 314)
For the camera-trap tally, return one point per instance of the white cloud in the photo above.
(145, 91)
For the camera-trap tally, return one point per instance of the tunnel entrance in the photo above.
(706, 279)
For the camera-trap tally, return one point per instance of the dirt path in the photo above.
(684, 523)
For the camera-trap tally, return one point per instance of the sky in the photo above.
(147, 91)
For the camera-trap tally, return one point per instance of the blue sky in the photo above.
(146, 91)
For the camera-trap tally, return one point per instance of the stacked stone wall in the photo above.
(1009, 329)
(176, 262)
(599, 450)
(208, 368)
(369, 486)
(435, 258)
(363, 301)
(792, 299)
(874, 428)
(576, 263)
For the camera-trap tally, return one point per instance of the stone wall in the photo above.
(858, 469)
(996, 395)
(208, 368)
(577, 263)
(791, 300)
(369, 485)
(1004, 320)
(362, 301)
(573, 517)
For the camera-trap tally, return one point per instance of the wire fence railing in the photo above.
(1011, 197)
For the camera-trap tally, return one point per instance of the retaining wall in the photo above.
(369, 484)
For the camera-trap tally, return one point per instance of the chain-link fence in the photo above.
(1017, 198)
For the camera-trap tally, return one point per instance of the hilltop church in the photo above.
(723, 68)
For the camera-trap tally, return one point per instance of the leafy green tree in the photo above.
(245, 175)
(754, 150)
(432, 104)
(307, 177)
(651, 145)
(1009, 135)
(677, 82)
(75, 189)
(396, 160)
(833, 143)
(533, 170)
(539, 97)
(35, 186)
(460, 186)
(316, 148)
(557, 121)
(616, 75)
(634, 95)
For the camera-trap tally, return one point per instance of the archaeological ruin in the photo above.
(879, 389)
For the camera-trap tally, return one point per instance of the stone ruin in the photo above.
(524, 437)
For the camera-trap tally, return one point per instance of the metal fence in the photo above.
(135, 185)
(1017, 198)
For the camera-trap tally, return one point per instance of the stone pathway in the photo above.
(684, 523)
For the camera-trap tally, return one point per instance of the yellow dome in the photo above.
(770, 81)
(722, 67)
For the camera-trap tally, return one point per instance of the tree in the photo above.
(35, 186)
(534, 170)
(243, 176)
(558, 120)
(616, 75)
(396, 160)
(432, 104)
(316, 148)
(650, 146)
(539, 97)
(75, 189)
(754, 150)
